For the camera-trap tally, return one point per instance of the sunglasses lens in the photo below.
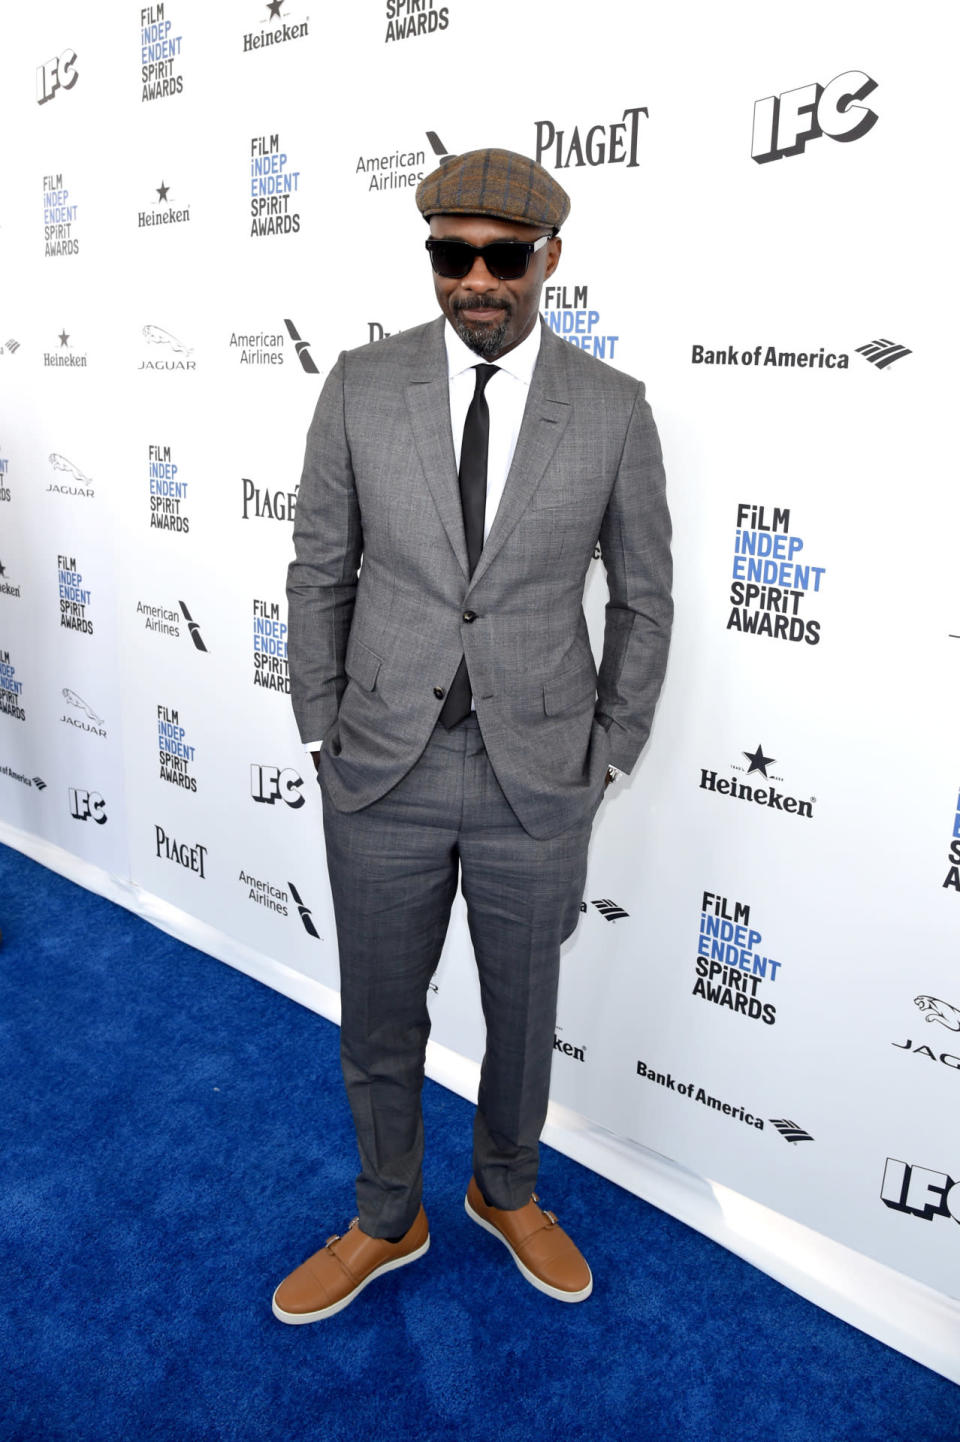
(451, 258)
(507, 260)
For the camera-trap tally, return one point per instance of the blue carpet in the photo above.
(175, 1140)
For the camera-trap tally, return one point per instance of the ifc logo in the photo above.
(782, 124)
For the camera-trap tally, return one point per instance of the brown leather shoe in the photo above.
(329, 1280)
(541, 1249)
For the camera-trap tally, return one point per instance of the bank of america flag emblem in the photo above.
(883, 353)
(610, 909)
(790, 1131)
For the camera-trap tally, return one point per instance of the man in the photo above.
(471, 464)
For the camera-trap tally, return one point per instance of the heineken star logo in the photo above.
(759, 762)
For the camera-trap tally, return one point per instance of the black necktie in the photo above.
(473, 499)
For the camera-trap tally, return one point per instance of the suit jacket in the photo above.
(380, 597)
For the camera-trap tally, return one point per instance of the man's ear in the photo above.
(554, 247)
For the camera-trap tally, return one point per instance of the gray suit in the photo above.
(373, 649)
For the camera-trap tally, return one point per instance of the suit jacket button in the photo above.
(469, 616)
(438, 692)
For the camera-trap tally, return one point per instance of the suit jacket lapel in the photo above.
(428, 402)
(544, 421)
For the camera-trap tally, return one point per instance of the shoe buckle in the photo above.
(553, 1220)
(337, 1235)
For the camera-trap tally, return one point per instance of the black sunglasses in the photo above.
(504, 259)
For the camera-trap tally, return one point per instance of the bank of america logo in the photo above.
(610, 909)
(39, 783)
(883, 353)
(302, 348)
(12, 346)
(790, 1131)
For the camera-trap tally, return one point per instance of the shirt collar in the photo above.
(518, 362)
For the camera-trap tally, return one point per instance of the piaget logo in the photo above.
(265, 504)
(610, 142)
(189, 855)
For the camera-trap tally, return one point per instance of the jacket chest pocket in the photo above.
(557, 529)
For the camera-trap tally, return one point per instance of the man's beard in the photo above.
(483, 340)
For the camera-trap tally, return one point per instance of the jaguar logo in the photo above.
(156, 335)
(942, 1011)
(60, 463)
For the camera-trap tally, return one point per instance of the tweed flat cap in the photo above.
(497, 183)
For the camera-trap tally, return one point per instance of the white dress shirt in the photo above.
(506, 396)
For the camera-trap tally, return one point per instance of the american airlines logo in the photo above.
(883, 353)
(304, 910)
(302, 348)
(193, 628)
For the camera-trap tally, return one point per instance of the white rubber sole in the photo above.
(534, 1281)
(297, 1319)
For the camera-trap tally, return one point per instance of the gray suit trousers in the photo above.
(394, 867)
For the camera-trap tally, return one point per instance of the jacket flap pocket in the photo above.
(362, 665)
(576, 688)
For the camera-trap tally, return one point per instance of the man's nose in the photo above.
(478, 278)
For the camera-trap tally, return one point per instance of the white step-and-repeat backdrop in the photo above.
(202, 205)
